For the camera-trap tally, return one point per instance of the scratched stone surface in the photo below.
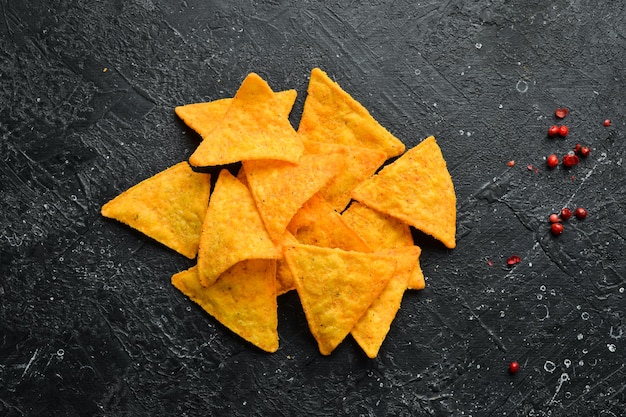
(89, 322)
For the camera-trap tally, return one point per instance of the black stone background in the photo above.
(89, 322)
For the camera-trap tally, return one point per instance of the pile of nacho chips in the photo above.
(313, 210)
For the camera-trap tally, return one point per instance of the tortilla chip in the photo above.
(381, 231)
(251, 129)
(284, 278)
(336, 287)
(361, 163)
(280, 188)
(204, 117)
(417, 189)
(232, 231)
(316, 223)
(331, 115)
(168, 207)
(372, 328)
(243, 299)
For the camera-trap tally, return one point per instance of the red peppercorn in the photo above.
(566, 213)
(584, 151)
(513, 260)
(577, 148)
(552, 161)
(607, 122)
(561, 112)
(554, 218)
(580, 213)
(511, 163)
(563, 130)
(514, 367)
(553, 131)
(556, 228)
(570, 159)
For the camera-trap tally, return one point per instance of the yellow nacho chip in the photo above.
(336, 287)
(381, 231)
(284, 278)
(169, 207)
(316, 223)
(232, 231)
(243, 299)
(280, 188)
(331, 115)
(361, 163)
(204, 117)
(372, 328)
(417, 189)
(251, 129)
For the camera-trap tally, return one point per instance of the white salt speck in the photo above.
(417, 71)
(500, 106)
(567, 363)
(542, 288)
(584, 315)
(549, 366)
(521, 86)
(621, 290)
(580, 336)
(478, 45)
(611, 347)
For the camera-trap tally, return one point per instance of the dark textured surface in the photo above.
(89, 323)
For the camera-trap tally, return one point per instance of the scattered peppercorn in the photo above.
(585, 151)
(513, 260)
(556, 228)
(552, 161)
(511, 163)
(570, 159)
(514, 367)
(580, 213)
(554, 218)
(553, 131)
(563, 130)
(566, 213)
(561, 112)
(607, 122)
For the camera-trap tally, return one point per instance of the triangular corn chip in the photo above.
(280, 188)
(361, 164)
(251, 129)
(373, 326)
(336, 287)
(243, 299)
(316, 223)
(381, 231)
(169, 207)
(232, 231)
(204, 117)
(331, 115)
(417, 189)
(284, 278)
